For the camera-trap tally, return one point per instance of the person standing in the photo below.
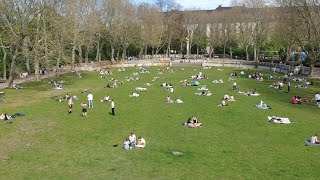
(289, 84)
(70, 103)
(90, 100)
(280, 86)
(234, 87)
(317, 98)
(112, 107)
(84, 109)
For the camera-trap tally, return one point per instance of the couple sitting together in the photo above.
(131, 142)
(193, 122)
(298, 100)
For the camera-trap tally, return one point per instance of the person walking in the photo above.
(112, 108)
(70, 103)
(90, 100)
(289, 84)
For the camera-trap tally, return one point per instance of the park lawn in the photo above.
(236, 142)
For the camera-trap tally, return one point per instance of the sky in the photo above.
(197, 4)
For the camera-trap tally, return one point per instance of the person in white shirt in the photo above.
(170, 89)
(234, 87)
(126, 144)
(178, 100)
(317, 98)
(141, 143)
(314, 139)
(90, 100)
(226, 97)
(70, 103)
(132, 139)
(112, 108)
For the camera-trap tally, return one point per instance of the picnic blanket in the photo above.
(196, 125)
(279, 120)
(308, 143)
(259, 107)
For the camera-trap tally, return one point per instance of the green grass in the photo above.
(236, 142)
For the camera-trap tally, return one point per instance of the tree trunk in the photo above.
(4, 61)
(87, 56)
(152, 53)
(98, 48)
(118, 54)
(224, 51)
(25, 51)
(13, 67)
(98, 51)
(112, 53)
(247, 53)
(141, 53)
(168, 49)
(36, 67)
(124, 54)
(80, 54)
(58, 63)
(197, 50)
(28, 65)
(231, 52)
(288, 54)
(255, 57)
(45, 44)
(73, 56)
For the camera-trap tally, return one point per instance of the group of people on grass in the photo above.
(131, 142)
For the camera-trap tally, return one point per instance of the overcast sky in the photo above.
(197, 4)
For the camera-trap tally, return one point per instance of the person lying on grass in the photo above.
(134, 94)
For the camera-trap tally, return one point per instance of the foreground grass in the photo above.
(236, 142)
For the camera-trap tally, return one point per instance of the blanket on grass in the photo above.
(279, 120)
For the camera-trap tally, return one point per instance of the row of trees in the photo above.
(44, 33)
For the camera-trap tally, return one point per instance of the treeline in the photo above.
(37, 34)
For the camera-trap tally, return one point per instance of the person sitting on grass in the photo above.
(314, 139)
(209, 93)
(126, 144)
(74, 97)
(141, 143)
(223, 103)
(294, 100)
(262, 105)
(105, 98)
(226, 97)
(168, 100)
(178, 100)
(132, 139)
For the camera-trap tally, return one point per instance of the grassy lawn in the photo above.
(236, 142)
